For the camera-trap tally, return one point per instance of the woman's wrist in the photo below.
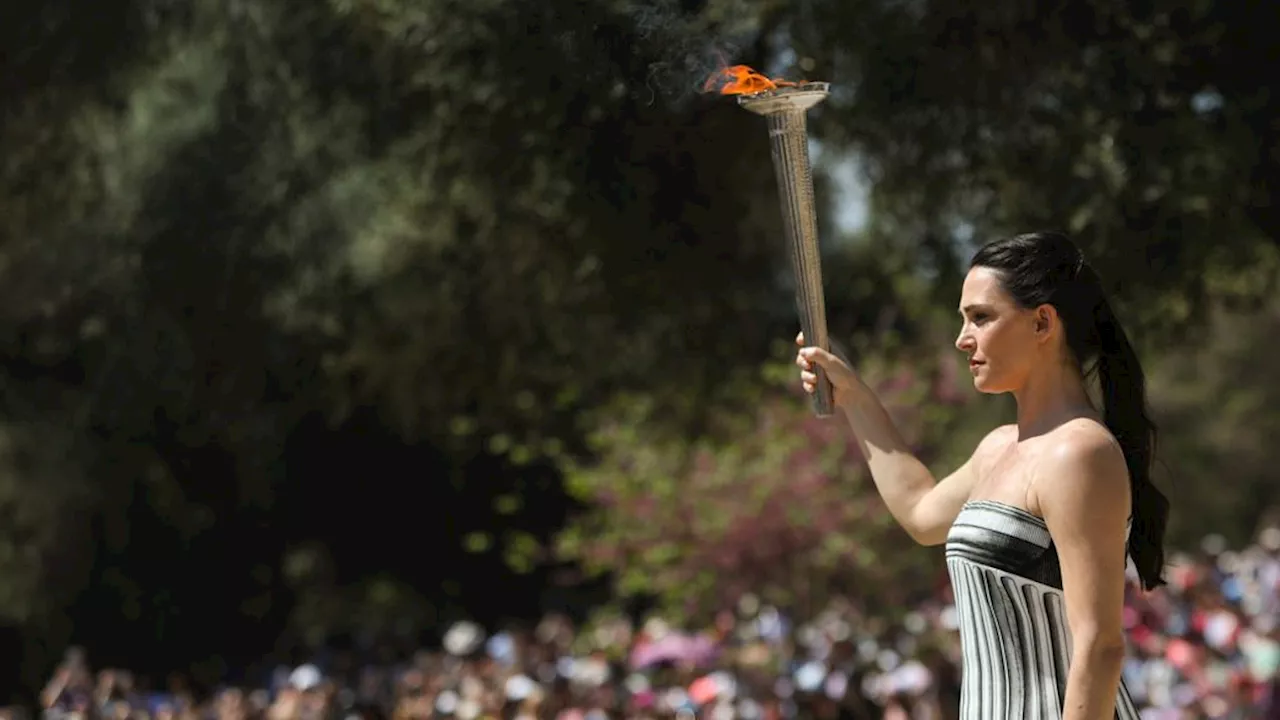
(854, 397)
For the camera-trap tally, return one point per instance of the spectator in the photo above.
(1207, 646)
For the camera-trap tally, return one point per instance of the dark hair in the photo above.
(1047, 268)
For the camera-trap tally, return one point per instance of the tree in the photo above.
(773, 501)
(1137, 128)
(229, 219)
(1215, 404)
(247, 246)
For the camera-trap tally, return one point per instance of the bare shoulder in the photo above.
(1002, 434)
(1082, 468)
(996, 441)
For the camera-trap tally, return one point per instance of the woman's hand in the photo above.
(844, 381)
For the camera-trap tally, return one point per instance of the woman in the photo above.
(1037, 522)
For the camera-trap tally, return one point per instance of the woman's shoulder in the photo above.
(1082, 440)
(997, 440)
(1081, 464)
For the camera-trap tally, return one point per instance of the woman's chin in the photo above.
(988, 388)
(981, 385)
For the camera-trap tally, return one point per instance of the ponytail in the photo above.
(1047, 268)
(1124, 410)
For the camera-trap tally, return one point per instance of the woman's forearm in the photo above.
(1093, 682)
(900, 477)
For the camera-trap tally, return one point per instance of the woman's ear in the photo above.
(1045, 321)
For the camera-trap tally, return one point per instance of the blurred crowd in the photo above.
(1206, 646)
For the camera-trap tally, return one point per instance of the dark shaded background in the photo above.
(361, 281)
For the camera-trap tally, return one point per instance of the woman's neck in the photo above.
(1050, 398)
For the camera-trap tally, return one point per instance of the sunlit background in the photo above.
(430, 358)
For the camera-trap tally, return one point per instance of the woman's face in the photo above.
(1000, 338)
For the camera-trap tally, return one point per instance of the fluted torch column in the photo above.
(784, 109)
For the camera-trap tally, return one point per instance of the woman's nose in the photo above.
(964, 341)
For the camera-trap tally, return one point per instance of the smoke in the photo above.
(682, 47)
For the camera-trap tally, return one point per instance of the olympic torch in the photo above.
(784, 104)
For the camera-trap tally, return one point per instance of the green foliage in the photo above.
(1215, 401)
(511, 235)
(493, 239)
(1130, 126)
(773, 501)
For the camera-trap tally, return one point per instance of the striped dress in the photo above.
(1012, 616)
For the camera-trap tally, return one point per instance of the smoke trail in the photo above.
(682, 48)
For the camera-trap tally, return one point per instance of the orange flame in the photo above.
(741, 80)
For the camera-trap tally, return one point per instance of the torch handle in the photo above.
(789, 140)
(824, 394)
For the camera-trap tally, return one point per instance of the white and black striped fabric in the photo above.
(1012, 616)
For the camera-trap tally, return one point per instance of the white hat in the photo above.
(501, 647)
(305, 677)
(915, 623)
(446, 702)
(566, 667)
(911, 677)
(463, 638)
(949, 619)
(519, 687)
(1270, 538)
(810, 676)
(887, 660)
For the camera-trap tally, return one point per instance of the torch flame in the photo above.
(742, 80)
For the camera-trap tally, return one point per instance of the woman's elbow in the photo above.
(1099, 646)
(928, 537)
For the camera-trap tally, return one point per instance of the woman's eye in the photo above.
(979, 318)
